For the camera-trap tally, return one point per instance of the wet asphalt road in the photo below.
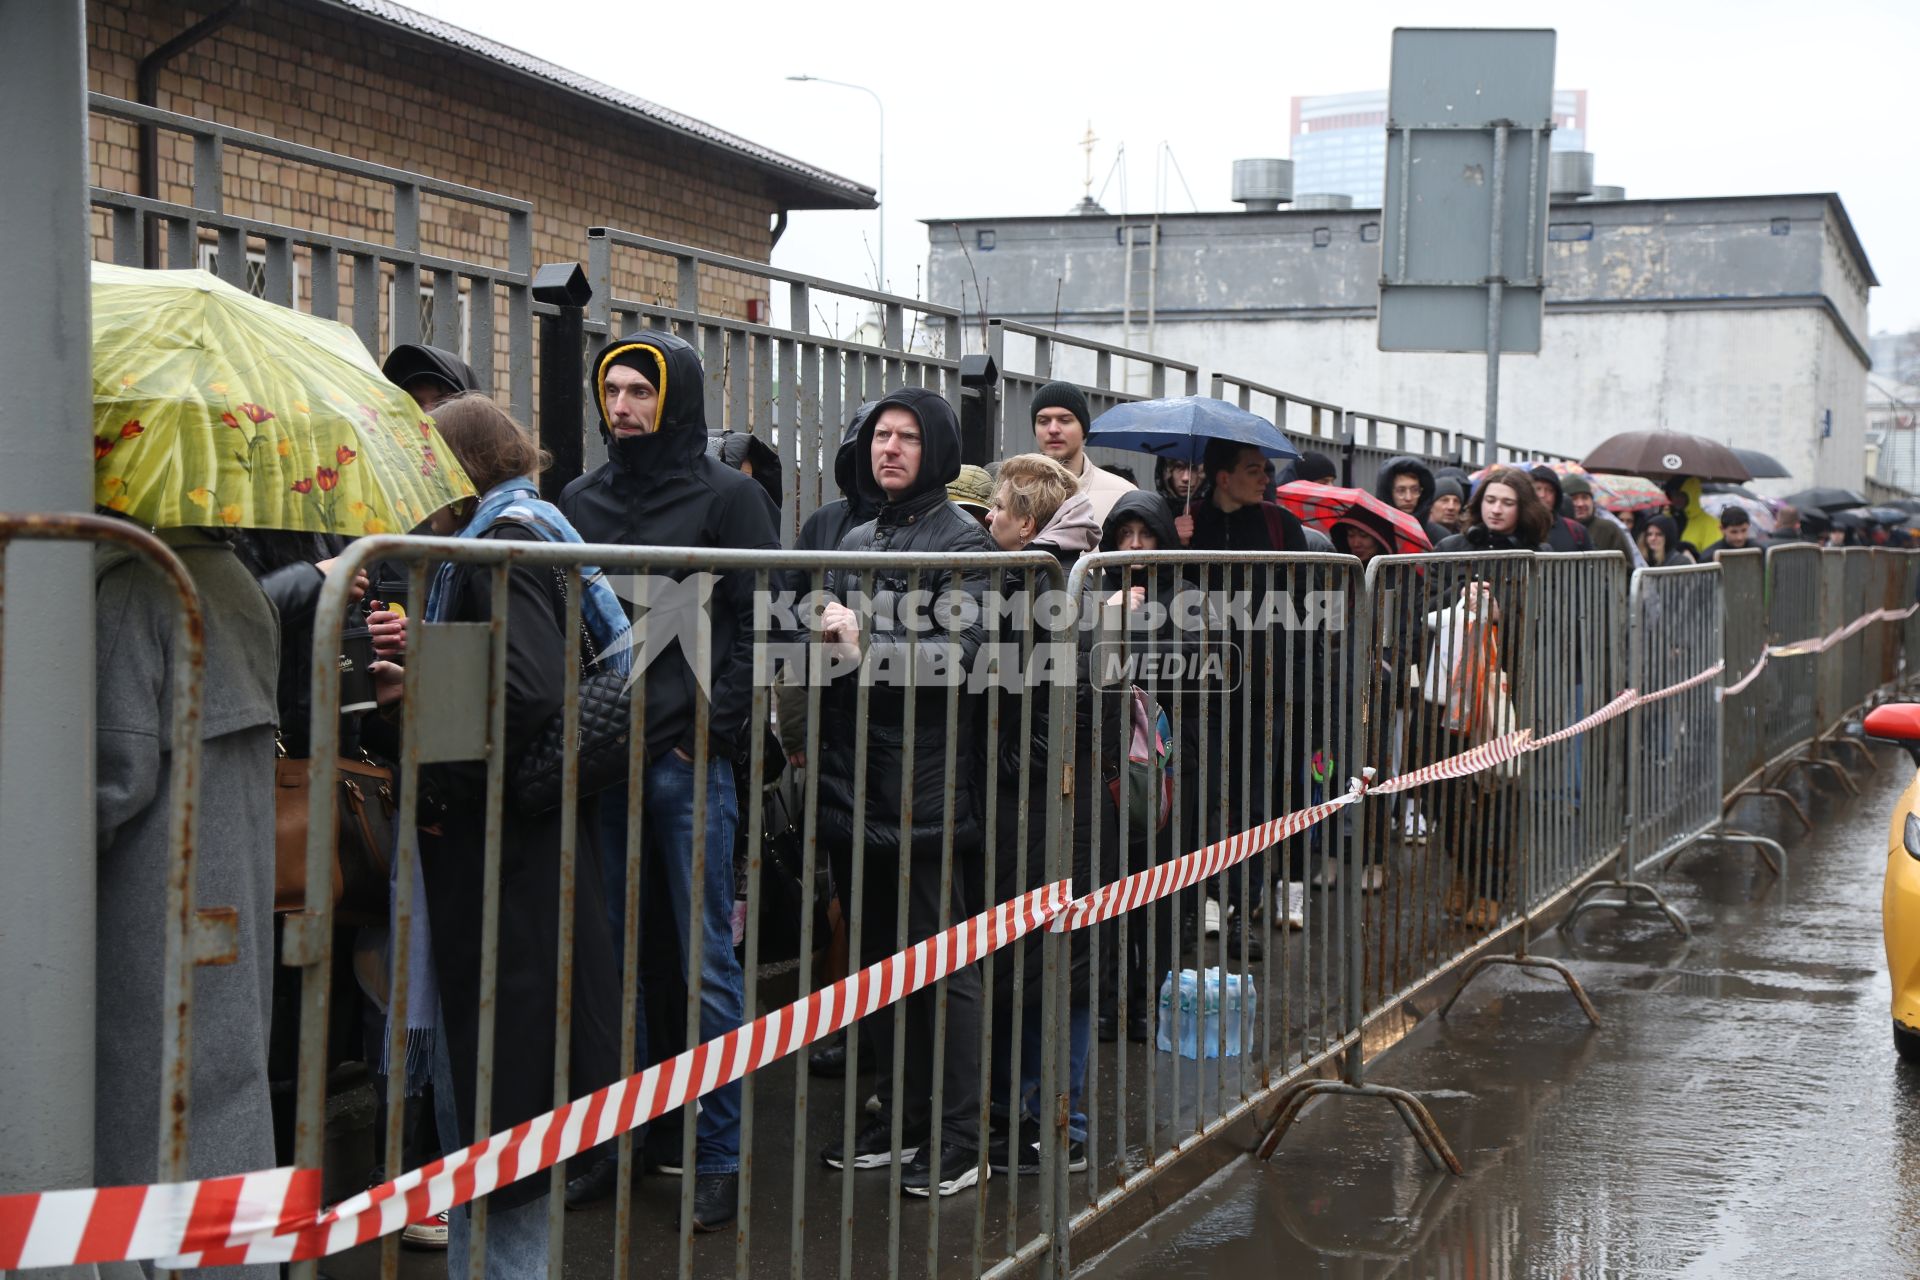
(1741, 1113)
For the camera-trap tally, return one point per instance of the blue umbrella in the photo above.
(1179, 428)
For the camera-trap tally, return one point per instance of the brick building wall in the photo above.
(330, 81)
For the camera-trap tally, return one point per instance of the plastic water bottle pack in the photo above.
(1199, 1018)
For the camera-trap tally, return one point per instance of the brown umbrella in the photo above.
(1665, 454)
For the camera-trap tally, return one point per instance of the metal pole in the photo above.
(562, 398)
(1496, 289)
(46, 734)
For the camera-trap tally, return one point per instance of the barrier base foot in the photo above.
(1771, 852)
(1627, 901)
(1859, 746)
(1413, 1113)
(1578, 992)
(1776, 793)
(1814, 762)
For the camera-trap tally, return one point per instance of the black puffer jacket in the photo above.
(920, 522)
(663, 490)
(1406, 464)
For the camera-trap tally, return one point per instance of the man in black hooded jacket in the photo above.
(1396, 486)
(660, 487)
(908, 452)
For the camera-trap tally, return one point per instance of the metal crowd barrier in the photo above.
(1674, 745)
(193, 935)
(1750, 715)
(1447, 852)
(448, 724)
(1310, 668)
(1252, 660)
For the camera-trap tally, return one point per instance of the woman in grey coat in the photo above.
(231, 1122)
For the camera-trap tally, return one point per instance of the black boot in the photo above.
(596, 1184)
(716, 1200)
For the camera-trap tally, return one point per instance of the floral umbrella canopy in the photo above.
(213, 407)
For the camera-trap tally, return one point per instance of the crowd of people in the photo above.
(948, 797)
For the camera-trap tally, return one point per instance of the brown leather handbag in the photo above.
(363, 850)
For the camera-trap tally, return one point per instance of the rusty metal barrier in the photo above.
(1674, 740)
(457, 729)
(1250, 661)
(1446, 852)
(1748, 710)
(193, 935)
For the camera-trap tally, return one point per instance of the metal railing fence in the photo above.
(1310, 424)
(1374, 438)
(794, 385)
(1028, 357)
(389, 293)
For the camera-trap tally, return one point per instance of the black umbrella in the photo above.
(1664, 455)
(1853, 519)
(1825, 499)
(1764, 466)
(1888, 515)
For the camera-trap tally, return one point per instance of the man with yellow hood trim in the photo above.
(659, 487)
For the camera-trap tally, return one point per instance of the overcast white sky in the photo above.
(986, 105)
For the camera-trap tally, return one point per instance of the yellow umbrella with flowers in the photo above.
(214, 407)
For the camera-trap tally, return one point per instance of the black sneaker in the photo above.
(872, 1147)
(1029, 1149)
(959, 1169)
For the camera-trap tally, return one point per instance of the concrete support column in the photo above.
(46, 696)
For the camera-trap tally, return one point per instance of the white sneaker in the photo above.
(431, 1234)
(1291, 897)
(1373, 878)
(1415, 827)
(1212, 918)
(1327, 876)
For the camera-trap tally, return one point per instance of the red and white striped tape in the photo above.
(1807, 648)
(274, 1216)
(1169, 878)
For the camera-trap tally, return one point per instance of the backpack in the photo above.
(1147, 776)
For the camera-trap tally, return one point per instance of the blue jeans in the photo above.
(516, 1238)
(666, 843)
(1079, 1039)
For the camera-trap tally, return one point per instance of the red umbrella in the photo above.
(1325, 505)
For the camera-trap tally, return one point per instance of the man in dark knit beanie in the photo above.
(1060, 419)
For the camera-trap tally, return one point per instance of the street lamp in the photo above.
(880, 189)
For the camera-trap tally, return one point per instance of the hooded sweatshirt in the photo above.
(1677, 552)
(1603, 531)
(663, 489)
(1071, 533)
(919, 522)
(412, 360)
(1406, 464)
(739, 449)
(1564, 533)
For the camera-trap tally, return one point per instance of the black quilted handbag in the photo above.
(606, 719)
